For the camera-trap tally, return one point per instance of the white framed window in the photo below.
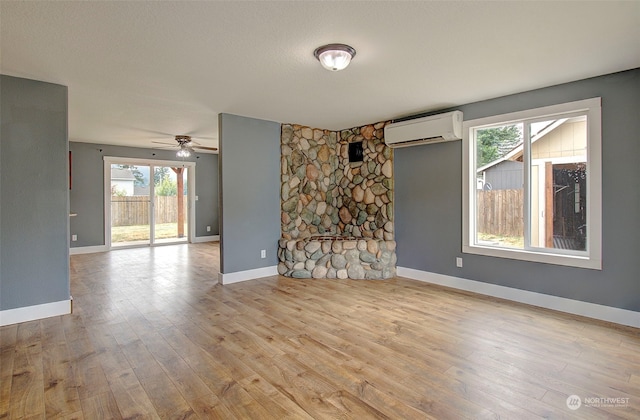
(532, 185)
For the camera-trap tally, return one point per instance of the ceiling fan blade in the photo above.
(194, 134)
(204, 148)
(154, 132)
(161, 142)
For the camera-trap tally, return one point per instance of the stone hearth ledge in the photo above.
(337, 257)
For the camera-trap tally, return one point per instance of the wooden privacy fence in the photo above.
(134, 210)
(500, 212)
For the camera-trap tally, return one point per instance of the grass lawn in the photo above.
(141, 232)
(510, 241)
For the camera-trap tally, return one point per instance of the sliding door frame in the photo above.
(152, 163)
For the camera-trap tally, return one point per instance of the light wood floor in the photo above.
(153, 336)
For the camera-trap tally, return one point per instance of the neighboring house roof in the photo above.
(140, 190)
(124, 174)
(517, 151)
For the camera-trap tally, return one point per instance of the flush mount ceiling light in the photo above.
(334, 57)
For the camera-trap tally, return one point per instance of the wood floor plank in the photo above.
(61, 394)
(131, 398)
(101, 406)
(319, 357)
(276, 403)
(183, 377)
(238, 401)
(163, 394)
(8, 337)
(153, 335)
(27, 383)
(210, 407)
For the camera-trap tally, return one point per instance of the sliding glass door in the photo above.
(148, 203)
(170, 221)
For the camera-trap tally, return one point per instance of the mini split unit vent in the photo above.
(427, 130)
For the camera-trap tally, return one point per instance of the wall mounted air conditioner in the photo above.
(426, 130)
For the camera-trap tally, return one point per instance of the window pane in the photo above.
(499, 186)
(559, 184)
(129, 205)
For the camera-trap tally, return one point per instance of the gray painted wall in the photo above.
(87, 192)
(428, 210)
(250, 187)
(34, 188)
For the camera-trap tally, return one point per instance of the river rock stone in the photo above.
(349, 244)
(345, 215)
(290, 205)
(309, 265)
(321, 208)
(324, 259)
(367, 257)
(355, 271)
(307, 216)
(352, 256)
(287, 133)
(319, 272)
(358, 193)
(299, 255)
(369, 196)
(312, 172)
(312, 247)
(307, 133)
(338, 261)
(378, 189)
(301, 274)
(282, 268)
(387, 168)
(367, 132)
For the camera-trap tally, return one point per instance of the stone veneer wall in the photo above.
(322, 193)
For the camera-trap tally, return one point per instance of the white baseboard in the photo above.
(31, 313)
(238, 276)
(576, 307)
(104, 248)
(88, 249)
(212, 238)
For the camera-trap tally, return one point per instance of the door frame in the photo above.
(191, 195)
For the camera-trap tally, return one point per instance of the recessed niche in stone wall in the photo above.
(324, 194)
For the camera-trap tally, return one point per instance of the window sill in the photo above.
(577, 261)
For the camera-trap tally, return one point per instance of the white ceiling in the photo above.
(144, 71)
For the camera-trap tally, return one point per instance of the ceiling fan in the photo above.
(186, 146)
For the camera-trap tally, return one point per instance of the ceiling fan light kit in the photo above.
(186, 146)
(183, 152)
(184, 142)
(335, 57)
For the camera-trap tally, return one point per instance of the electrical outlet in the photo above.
(263, 253)
(74, 237)
(208, 228)
(458, 261)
